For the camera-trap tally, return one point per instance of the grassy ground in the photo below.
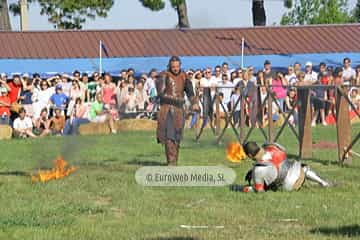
(102, 200)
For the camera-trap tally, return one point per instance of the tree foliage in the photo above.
(69, 14)
(178, 5)
(318, 12)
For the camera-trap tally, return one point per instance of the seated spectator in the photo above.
(23, 125)
(98, 115)
(59, 99)
(75, 92)
(78, 117)
(42, 124)
(57, 122)
(4, 107)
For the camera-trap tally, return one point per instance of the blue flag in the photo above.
(104, 49)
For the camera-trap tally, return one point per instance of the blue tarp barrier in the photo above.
(47, 67)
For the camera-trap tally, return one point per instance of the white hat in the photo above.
(25, 75)
(3, 75)
(308, 64)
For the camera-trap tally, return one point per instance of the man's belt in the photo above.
(177, 102)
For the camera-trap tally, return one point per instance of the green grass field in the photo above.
(102, 200)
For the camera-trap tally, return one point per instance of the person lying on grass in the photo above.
(273, 171)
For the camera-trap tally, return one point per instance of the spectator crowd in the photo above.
(37, 107)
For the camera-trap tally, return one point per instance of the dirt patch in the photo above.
(325, 145)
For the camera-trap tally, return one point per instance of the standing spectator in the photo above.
(4, 107)
(279, 85)
(26, 96)
(226, 87)
(98, 115)
(290, 104)
(268, 72)
(225, 69)
(357, 76)
(75, 92)
(252, 77)
(57, 122)
(260, 81)
(235, 99)
(297, 68)
(239, 77)
(59, 99)
(130, 100)
(217, 77)
(92, 88)
(348, 73)
(66, 84)
(78, 117)
(42, 124)
(109, 95)
(233, 76)
(15, 89)
(149, 86)
(291, 76)
(23, 125)
(310, 76)
(141, 96)
(319, 97)
(40, 98)
(322, 70)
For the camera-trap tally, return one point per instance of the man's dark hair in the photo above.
(251, 148)
(85, 74)
(76, 72)
(346, 59)
(322, 64)
(22, 110)
(225, 64)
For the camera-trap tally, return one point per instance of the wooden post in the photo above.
(305, 136)
(217, 113)
(270, 116)
(343, 126)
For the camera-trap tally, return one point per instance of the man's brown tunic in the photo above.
(171, 117)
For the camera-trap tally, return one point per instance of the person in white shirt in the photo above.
(41, 98)
(227, 89)
(225, 69)
(23, 125)
(348, 72)
(291, 76)
(217, 78)
(310, 75)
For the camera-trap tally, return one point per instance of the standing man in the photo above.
(171, 86)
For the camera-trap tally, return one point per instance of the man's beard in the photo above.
(175, 73)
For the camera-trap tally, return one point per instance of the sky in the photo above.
(130, 14)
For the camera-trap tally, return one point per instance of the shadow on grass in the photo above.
(136, 161)
(15, 173)
(173, 238)
(345, 231)
(314, 160)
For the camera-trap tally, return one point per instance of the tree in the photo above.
(4, 16)
(258, 11)
(357, 12)
(178, 5)
(69, 14)
(317, 12)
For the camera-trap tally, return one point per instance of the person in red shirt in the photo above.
(4, 107)
(15, 88)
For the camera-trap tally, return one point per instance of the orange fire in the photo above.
(60, 170)
(235, 152)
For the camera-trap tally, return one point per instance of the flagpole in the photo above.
(242, 52)
(100, 58)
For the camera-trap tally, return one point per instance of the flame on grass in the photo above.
(60, 170)
(235, 152)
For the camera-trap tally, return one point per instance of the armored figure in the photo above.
(272, 170)
(171, 86)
